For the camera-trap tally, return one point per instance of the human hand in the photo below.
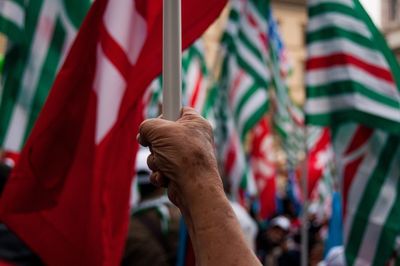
(182, 155)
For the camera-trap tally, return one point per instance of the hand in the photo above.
(182, 155)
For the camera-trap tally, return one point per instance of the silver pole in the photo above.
(304, 227)
(172, 54)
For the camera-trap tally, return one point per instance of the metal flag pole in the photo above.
(172, 59)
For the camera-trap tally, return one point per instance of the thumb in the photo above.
(149, 128)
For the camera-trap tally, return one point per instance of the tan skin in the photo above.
(182, 157)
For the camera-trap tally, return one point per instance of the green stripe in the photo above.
(14, 65)
(253, 120)
(11, 30)
(333, 32)
(381, 43)
(47, 75)
(242, 62)
(246, 97)
(368, 200)
(324, 8)
(391, 228)
(249, 45)
(262, 7)
(350, 87)
(76, 10)
(352, 115)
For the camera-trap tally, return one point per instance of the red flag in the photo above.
(69, 194)
(320, 155)
(264, 167)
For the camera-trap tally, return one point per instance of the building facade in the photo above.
(390, 14)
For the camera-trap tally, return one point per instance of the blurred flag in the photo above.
(68, 198)
(40, 34)
(320, 155)
(263, 164)
(287, 117)
(335, 231)
(353, 86)
(243, 96)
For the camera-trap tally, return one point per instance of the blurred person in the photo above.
(154, 226)
(12, 250)
(183, 160)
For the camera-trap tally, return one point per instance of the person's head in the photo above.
(143, 173)
(278, 229)
(5, 171)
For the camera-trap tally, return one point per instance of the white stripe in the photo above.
(126, 26)
(348, 3)
(251, 106)
(361, 179)
(12, 12)
(324, 76)
(351, 101)
(345, 46)
(70, 34)
(379, 214)
(38, 51)
(252, 61)
(110, 87)
(244, 84)
(338, 20)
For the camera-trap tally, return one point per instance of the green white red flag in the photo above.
(40, 34)
(68, 197)
(353, 86)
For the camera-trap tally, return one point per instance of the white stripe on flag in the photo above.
(38, 51)
(110, 86)
(12, 12)
(380, 212)
(339, 20)
(329, 104)
(250, 108)
(345, 46)
(237, 92)
(348, 3)
(324, 76)
(252, 60)
(117, 13)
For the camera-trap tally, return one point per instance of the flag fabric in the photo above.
(351, 73)
(68, 197)
(287, 117)
(244, 72)
(242, 91)
(320, 156)
(353, 86)
(263, 163)
(335, 230)
(40, 34)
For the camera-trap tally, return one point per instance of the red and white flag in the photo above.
(68, 198)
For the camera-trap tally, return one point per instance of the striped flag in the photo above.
(287, 118)
(353, 77)
(245, 76)
(241, 92)
(40, 33)
(351, 73)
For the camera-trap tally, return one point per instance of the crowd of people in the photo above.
(221, 231)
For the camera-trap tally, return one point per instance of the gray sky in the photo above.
(374, 9)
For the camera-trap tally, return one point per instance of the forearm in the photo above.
(214, 230)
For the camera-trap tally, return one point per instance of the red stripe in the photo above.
(196, 90)
(360, 137)
(342, 59)
(235, 85)
(115, 53)
(230, 157)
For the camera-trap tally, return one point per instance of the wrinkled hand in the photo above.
(182, 155)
